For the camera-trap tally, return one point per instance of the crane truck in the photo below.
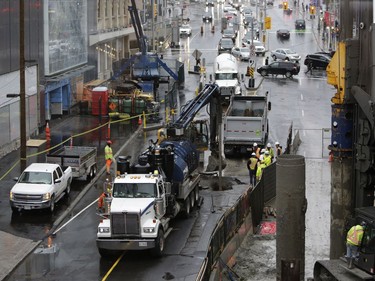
(146, 196)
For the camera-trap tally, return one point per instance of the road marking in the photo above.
(65, 224)
(113, 267)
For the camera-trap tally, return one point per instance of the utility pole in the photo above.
(22, 86)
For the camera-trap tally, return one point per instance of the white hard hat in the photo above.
(277, 143)
(253, 154)
(263, 150)
(255, 144)
(268, 145)
(267, 152)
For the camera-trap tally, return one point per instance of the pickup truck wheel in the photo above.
(263, 73)
(67, 190)
(52, 204)
(159, 244)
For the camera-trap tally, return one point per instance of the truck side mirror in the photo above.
(269, 106)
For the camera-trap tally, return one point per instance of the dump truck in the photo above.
(82, 160)
(244, 123)
(146, 196)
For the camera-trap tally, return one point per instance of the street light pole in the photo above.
(22, 87)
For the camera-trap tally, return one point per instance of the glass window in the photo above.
(36, 178)
(134, 190)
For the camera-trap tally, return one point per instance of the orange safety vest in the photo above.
(355, 235)
(101, 200)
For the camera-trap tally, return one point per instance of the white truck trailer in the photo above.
(244, 123)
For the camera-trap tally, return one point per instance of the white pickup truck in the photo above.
(40, 186)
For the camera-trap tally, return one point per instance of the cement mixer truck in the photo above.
(147, 195)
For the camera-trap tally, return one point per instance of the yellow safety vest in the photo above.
(267, 160)
(260, 171)
(253, 163)
(108, 152)
(354, 236)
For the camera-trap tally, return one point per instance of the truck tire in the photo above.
(91, 173)
(67, 190)
(186, 212)
(159, 244)
(192, 199)
(196, 194)
(52, 204)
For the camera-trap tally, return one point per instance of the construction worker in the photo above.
(261, 156)
(101, 198)
(270, 150)
(256, 150)
(252, 167)
(259, 173)
(353, 241)
(108, 156)
(279, 149)
(267, 160)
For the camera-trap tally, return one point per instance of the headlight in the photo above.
(47, 196)
(104, 229)
(149, 229)
(11, 195)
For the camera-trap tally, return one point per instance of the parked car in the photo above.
(232, 10)
(269, 2)
(259, 47)
(317, 61)
(248, 20)
(185, 30)
(207, 17)
(280, 68)
(210, 3)
(225, 45)
(285, 54)
(300, 24)
(229, 33)
(241, 53)
(283, 34)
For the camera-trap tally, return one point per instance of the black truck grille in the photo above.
(125, 224)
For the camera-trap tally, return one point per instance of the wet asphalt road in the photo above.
(72, 253)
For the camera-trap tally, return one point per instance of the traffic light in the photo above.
(155, 10)
(285, 5)
(312, 10)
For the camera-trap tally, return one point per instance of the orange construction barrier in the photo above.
(48, 133)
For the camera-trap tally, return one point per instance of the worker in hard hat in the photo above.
(353, 241)
(270, 150)
(267, 160)
(252, 165)
(279, 149)
(256, 150)
(108, 156)
(261, 156)
(259, 173)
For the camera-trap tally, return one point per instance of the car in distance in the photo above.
(285, 54)
(300, 24)
(225, 45)
(207, 17)
(229, 33)
(247, 11)
(283, 34)
(241, 53)
(185, 30)
(226, 7)
(317, 61)
(259, 48)
(210, 3)
(286, 68)
(269, 2)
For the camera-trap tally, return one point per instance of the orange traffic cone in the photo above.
(48, 133)
(139, 120)
(330, 158)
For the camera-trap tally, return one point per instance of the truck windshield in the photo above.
(36, 177)
(134, 190)
(226, 76)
